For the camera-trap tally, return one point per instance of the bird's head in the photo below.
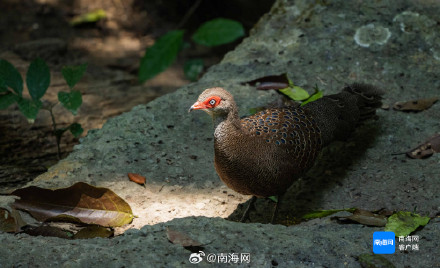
(215, 101)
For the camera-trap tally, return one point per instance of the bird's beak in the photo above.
(197, 106)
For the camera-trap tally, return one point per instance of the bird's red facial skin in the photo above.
(211, 102)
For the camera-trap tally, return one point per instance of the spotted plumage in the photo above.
(263, 154)
(290, 129)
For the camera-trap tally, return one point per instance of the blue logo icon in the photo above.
(384, 242)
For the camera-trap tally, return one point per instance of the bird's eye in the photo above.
(212, 102)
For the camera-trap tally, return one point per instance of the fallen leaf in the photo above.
(317, 95)
(48, 231)
(270, 82)
(415, 105)
(182, 239)
(274, 198)
(366, 218)
(426, 149)
(92, 232)
(295, 93)
(325, 213)
(7, 222)
(81, 201)
(384, 212)
(139, 179)
(90, 17)
(374, 261)
(403, 223)
(385, 106)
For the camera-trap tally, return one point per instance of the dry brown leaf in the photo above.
(7, 222)
(415, 105)
(48, 231)
(10, 221)
(92, 232)
(81, 201)
(182, 239)
(426, 149)
(139, 179)
(385, 106)
(270, 82)
(367, 218)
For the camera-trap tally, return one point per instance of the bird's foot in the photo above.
(248, 208)
(275, 212)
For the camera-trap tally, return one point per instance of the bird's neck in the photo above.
(226, 125)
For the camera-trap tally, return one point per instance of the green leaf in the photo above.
(29, 108)
(403, 223)
(76, 129)
(37, 78)
(193, 68)
(7, 99)
(11, 77)
(274, 198)
(314, 97)
(290, 81)
(90, 17)
(72, 74)
(161, 55)
(3, 88)
(70, 100)
(325, 213)
(295, 93)
(218, 32)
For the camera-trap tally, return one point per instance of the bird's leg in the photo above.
(277, 204)
(248, 208)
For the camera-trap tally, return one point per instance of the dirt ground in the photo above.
(112, 48)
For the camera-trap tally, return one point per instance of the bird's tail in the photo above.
(338, 115)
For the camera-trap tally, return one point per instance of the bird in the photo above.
(263, 154)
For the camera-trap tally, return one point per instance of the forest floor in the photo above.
(112, 47)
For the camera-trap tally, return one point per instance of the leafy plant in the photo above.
(161, 55)
(90, 17)
(283, 84)
(37, 82)
(164, 52)
(403, 223)
(299, 94)
(218, 32)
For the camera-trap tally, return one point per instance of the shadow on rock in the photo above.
(305, 195)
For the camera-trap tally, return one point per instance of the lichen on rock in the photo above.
(413, 22)
(414, 25)
(370, 34)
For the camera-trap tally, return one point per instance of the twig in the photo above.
(398, 153)
(189, 14)
(54, 125)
